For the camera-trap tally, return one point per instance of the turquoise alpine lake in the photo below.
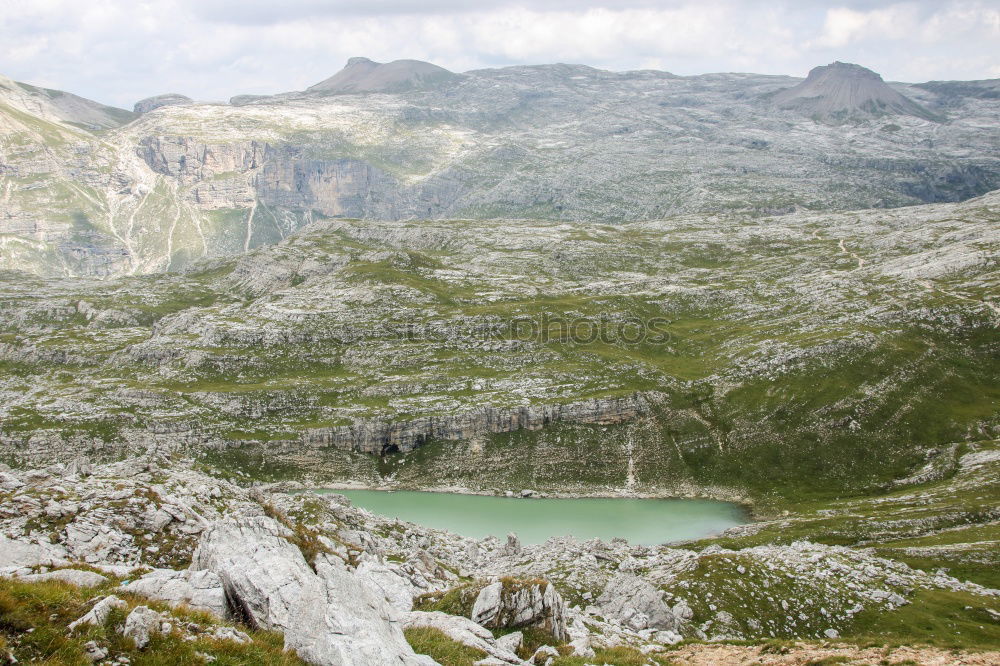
(641, 521)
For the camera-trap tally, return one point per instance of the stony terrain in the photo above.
(542, 281)
(779, 339)
(408, 140)
(158, 539)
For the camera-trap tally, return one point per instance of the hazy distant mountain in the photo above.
(364, 75)
(155, 102)
(954, 91)
(558, 142)
(841, 90)
(61, 106)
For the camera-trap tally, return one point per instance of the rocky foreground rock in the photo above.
(339, 582)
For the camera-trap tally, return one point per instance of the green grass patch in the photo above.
(437, 645)
(942, 618)
(34, 617)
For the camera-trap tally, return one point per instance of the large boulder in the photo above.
(637, 604)
(341, 622)
(465, 631)
(511, 603)
(262, 573)
(330, 617)
(141, 625)
(9, 482)
(200, 590)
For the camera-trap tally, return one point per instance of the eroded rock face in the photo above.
(380, 437)
(341, 622)
(637, 603)
(331, 616)
(397, 589)
(512, 603)
(413, 141)
(365, 75)
(263, 575)
(841, 90)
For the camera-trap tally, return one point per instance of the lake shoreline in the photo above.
(644, 520)
(753, 511)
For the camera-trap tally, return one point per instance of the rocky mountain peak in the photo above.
(843, 70)
(360, 60)
(155, 102)
(842, 90)
(365, 75)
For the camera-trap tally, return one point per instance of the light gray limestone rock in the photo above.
(200, 590)
(99, 613)
(636, 603)
(340, 622)
(72, 576)
(396, 589)
(16, 554)
(514, 604)
(262, 573)
(141, 624)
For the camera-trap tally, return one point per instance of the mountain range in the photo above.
(92, 190)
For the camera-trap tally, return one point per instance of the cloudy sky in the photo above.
(118, 51)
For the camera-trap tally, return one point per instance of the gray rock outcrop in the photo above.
(99, 613)
(141, 625)
(842, 90)
(381, 437)
(512, 604)
(156, 101)
(328, 618)
(18, 554)
(200, 590)
(511, 642)
(76, 577)
(637, 604)
(262, 573)
(397, 590)
(339, 621)
(364, 75)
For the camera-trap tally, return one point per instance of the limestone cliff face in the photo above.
(235, 174)
(369, 437)
(387, 437)
(335, 188)
(190, 161)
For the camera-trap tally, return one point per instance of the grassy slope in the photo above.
(34, 617)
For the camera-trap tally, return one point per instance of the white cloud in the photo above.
(120, 51)
(909, 22)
